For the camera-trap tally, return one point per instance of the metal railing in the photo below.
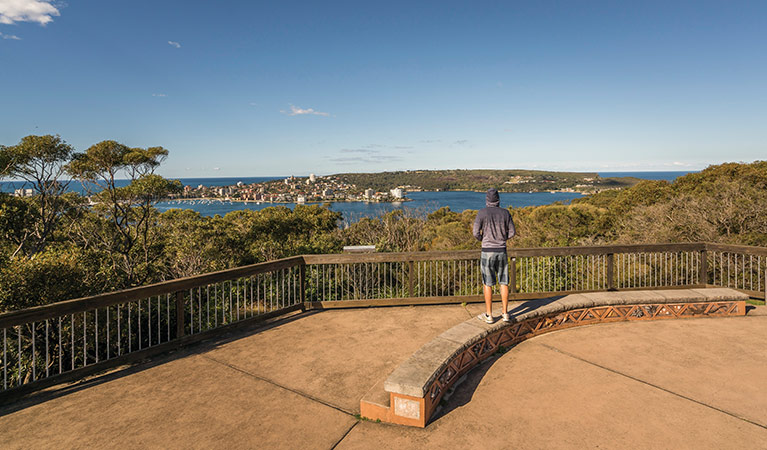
(45, 344)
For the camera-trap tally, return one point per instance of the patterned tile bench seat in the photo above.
(415, 388)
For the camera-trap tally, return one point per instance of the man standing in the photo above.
(493, 227)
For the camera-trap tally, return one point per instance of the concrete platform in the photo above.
(298, 383)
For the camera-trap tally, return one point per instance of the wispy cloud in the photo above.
(374, 159)
(430, 141)
(174, 44)
(363, 155)
(461, 142)
(39, 11)
(359, 150)
(159, 95)
(12, 37)
(296, 111)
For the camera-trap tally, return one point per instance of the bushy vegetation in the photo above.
(483, 179)
(56, 246)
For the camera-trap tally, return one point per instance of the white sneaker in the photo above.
(505, 317)
(486, 317)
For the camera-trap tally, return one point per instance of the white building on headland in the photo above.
(396, 192)
(369, 193)
(312, 178)
(23, 193)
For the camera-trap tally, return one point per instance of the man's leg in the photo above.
(488, 291)
(504, 297)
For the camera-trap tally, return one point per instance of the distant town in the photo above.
(394, 186)
(311, 189)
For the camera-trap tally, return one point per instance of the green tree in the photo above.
(122, 220)
(41, 162)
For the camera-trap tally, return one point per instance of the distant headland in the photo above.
(393, 186)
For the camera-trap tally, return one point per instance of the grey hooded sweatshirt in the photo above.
(493, 225)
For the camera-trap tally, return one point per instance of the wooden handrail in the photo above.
(57, 309)
(44, 312)
(756, 251)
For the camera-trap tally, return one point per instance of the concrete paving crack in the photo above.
(345, 434)
(744, 419)
(274, 383)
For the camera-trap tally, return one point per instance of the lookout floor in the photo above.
(297, 383)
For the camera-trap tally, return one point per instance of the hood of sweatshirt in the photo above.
(492, 198)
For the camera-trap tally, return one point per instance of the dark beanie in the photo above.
(492, 198)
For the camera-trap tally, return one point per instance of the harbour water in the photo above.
(421, 202)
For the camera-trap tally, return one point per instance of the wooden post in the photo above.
(610, 272)
(410, 279)
(302, 276)
(703, 275)
(179, 314)
(513, 276)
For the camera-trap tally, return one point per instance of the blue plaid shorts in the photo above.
(494, 265)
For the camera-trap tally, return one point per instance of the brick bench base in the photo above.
(415, 388)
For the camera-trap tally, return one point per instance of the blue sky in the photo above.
(246, 88)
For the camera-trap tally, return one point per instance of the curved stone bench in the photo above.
(415, 387)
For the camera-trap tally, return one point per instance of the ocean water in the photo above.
(422, 202)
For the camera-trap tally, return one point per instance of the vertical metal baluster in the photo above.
(119, 332)
(258, 295)
(721, 269)
(138, 320)
(215, 305)
(231, 303)
(191, 312)
(96, 334)
(159, 315)
(130, 331)
(108, 337)
(34, 374)
(149, 320)
(85, 339)
(729, 277)
(18, 334)
(61, 351)
(167, 309)
(5, 359)
(743, 271)
(47, 360)
(72, 332)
